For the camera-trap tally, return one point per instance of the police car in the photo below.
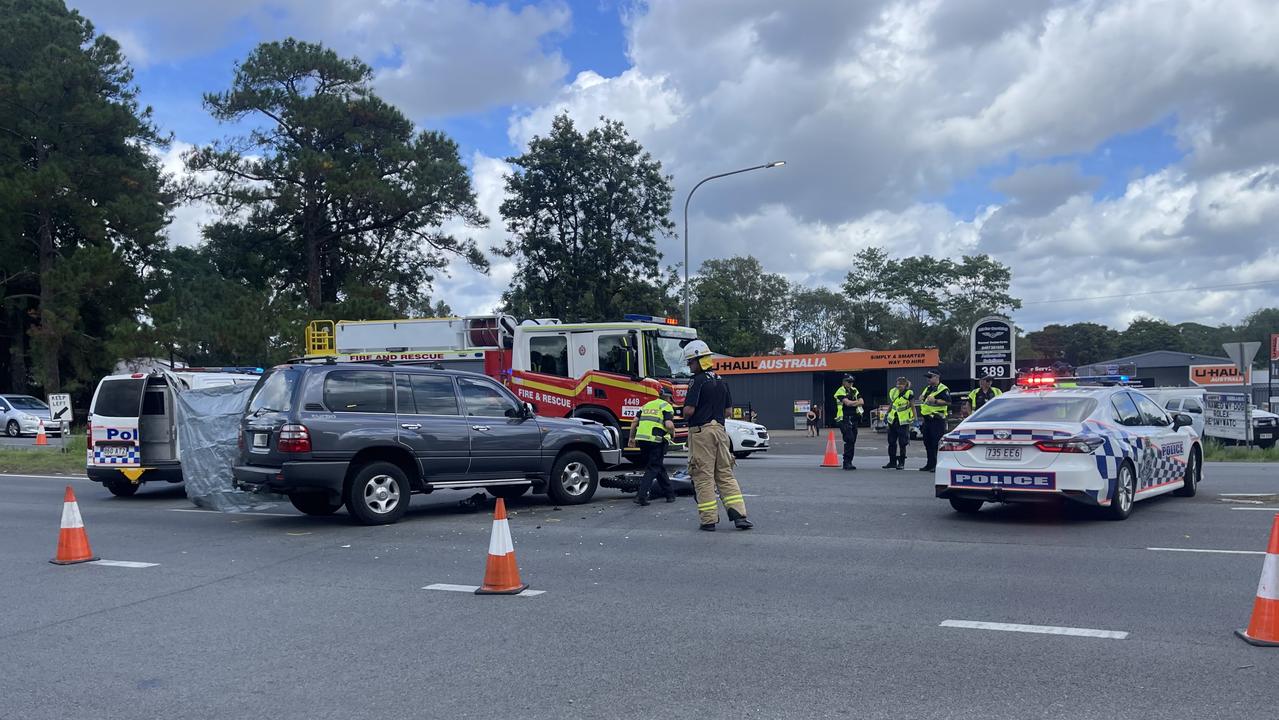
(1106, 446)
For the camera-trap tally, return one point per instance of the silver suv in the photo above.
(369, 436)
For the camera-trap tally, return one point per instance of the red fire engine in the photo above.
(586, 370)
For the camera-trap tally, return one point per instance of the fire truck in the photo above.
(586, 370)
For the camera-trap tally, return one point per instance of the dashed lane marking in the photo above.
(1036, 629)
(123, 563)
(472, 588)
(1207, 550)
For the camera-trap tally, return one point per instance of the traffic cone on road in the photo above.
(1263, 629)
(41, 438)
(501, 574)
(832, 457)
(73, 541)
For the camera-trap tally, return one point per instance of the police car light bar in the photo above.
(650, 319)
(1037, 380)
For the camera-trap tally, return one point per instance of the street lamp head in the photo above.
(776, 163)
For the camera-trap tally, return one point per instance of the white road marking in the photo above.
(1038, 629)
(473, 588)
(46, 477)
(1268, 509)
(1245, 494)
(1204, 550)
(123, 563)
(215, 512)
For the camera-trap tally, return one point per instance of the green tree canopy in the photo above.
(819, 320)
(82, 198)
(739, 309)
(348, 197)
(584, 211)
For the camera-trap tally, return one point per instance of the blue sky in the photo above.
(1097, 149)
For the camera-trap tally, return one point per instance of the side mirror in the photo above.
(1181, 420)
(529, 410)
(523, 412)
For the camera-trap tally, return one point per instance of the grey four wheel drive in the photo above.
(369, 436)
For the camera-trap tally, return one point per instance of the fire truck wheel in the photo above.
(574, 479)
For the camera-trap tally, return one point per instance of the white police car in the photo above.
(1102, 446)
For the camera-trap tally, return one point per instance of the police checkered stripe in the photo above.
(1013, 434)
(1153, 468)
(131, 458)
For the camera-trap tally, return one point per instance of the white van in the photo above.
(132, 437)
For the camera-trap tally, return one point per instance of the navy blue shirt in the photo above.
(709, 397)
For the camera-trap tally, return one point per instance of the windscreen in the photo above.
(666, 357)
(27, 403)
(1035, 408)
(274, 392)
(119, 398)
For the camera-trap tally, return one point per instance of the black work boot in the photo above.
(743, 524)
(708, 527)
(891, 465)
(640, 500)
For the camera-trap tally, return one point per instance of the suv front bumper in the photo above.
(611, 457)
(292, 476)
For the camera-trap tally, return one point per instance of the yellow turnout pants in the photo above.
(711, 466)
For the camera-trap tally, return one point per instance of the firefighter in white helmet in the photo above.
(710, 461)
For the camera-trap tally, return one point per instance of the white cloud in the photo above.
(188, 218)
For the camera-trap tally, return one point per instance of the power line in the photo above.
(1152, 292)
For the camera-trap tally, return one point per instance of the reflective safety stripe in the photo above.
(706, 506)
(731, 498)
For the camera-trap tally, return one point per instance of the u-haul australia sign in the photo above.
(1217, 375)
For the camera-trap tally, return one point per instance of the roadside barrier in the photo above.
(832, 458)
(501, 574)
(73, 541)
(1263, 629)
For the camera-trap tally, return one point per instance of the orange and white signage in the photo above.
(1217, 375)
(828, 362)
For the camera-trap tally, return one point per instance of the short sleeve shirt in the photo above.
(709, 397)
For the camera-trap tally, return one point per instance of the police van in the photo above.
(132, 437)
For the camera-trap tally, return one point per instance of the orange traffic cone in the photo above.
(41, 439)
(832, 458)
(73, 541)
(1263, 629)
(501, 575)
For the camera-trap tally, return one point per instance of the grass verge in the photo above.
(1214, 450)
(45, 461)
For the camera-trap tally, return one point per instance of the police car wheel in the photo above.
(1194, 473)
(574, 479)
(1125, 490)
(967, 506)
(122, 488)
(13, 429)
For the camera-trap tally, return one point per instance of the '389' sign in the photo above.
(993, 346)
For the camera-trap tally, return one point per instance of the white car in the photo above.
(22, 414)
(1102, 446)
(746, 437)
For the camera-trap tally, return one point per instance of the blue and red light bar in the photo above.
(651, 319)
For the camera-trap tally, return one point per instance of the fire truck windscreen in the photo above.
(666, 357)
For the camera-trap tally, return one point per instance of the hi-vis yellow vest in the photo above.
(652, 417)
(900, 410)
(839, 406)
(933, 410)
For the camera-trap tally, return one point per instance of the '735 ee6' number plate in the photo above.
(1003, 453)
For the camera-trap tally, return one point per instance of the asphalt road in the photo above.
(832, 607)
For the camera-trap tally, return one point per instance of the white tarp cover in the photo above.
(208, 423)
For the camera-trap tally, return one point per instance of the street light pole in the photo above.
(688, 320)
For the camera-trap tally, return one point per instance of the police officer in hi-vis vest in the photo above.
(848, 412)
(650, 431)
(982, 394)
(901, 414)
(934, 403)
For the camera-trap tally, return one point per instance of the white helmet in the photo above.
(696, 349)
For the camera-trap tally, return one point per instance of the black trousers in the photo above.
(653, 457)
(933, 429)
(898, 439)
(848, 428)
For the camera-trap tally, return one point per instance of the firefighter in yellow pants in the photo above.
(709, 461)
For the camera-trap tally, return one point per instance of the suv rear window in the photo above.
(119, 398)
(359, 391)
(274, 391)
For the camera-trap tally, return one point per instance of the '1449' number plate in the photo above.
(1003, 453)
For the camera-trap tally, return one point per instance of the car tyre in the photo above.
(1194, 474)
(318, 504)
(378, 494)
(742, 454)
(12, 429)
(1125, 493)
(574, 478)
(122, 488)
(967, 506)
(507, 492)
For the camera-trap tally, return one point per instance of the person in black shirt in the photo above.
(710, 462)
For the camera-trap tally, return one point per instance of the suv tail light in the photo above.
(88, 437)
(955, 445)
(294, 439)
(1067, 446)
